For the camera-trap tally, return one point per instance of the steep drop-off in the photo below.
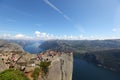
(61, 68)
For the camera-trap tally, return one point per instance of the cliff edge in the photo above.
(61, 68)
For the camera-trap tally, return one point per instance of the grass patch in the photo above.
(44, 67)
(35, 74)
(12, 74)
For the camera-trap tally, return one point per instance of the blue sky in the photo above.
(64, 19)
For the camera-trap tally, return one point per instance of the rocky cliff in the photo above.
(61, 68)
(5, 49)
(8, 46)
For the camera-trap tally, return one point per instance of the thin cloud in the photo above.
(66, 17)
(43, 35)
(80, 28)
(116, 29)
(53, 6)
(57, 9)
(19, 36)
(22, 36)
(46, 36)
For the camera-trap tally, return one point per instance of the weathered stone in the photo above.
(61, 68)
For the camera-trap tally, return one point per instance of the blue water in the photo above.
(86, 71)
(33, 48)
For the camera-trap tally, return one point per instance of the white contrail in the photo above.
(55, 8)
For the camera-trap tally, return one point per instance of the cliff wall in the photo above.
(61, 68)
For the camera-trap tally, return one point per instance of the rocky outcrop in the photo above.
(3, 66)
(61, 68)
(7, 50)
(7, 46)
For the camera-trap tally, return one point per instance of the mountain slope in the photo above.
(7, 46)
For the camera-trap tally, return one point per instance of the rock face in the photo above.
(7, 46)
(3, 66)
(61, 68)
(109, 59)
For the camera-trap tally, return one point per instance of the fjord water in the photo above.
(86, 71)
(33, 48)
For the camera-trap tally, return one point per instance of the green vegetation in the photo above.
(44, 67)
(36, 73)
(12, 74)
